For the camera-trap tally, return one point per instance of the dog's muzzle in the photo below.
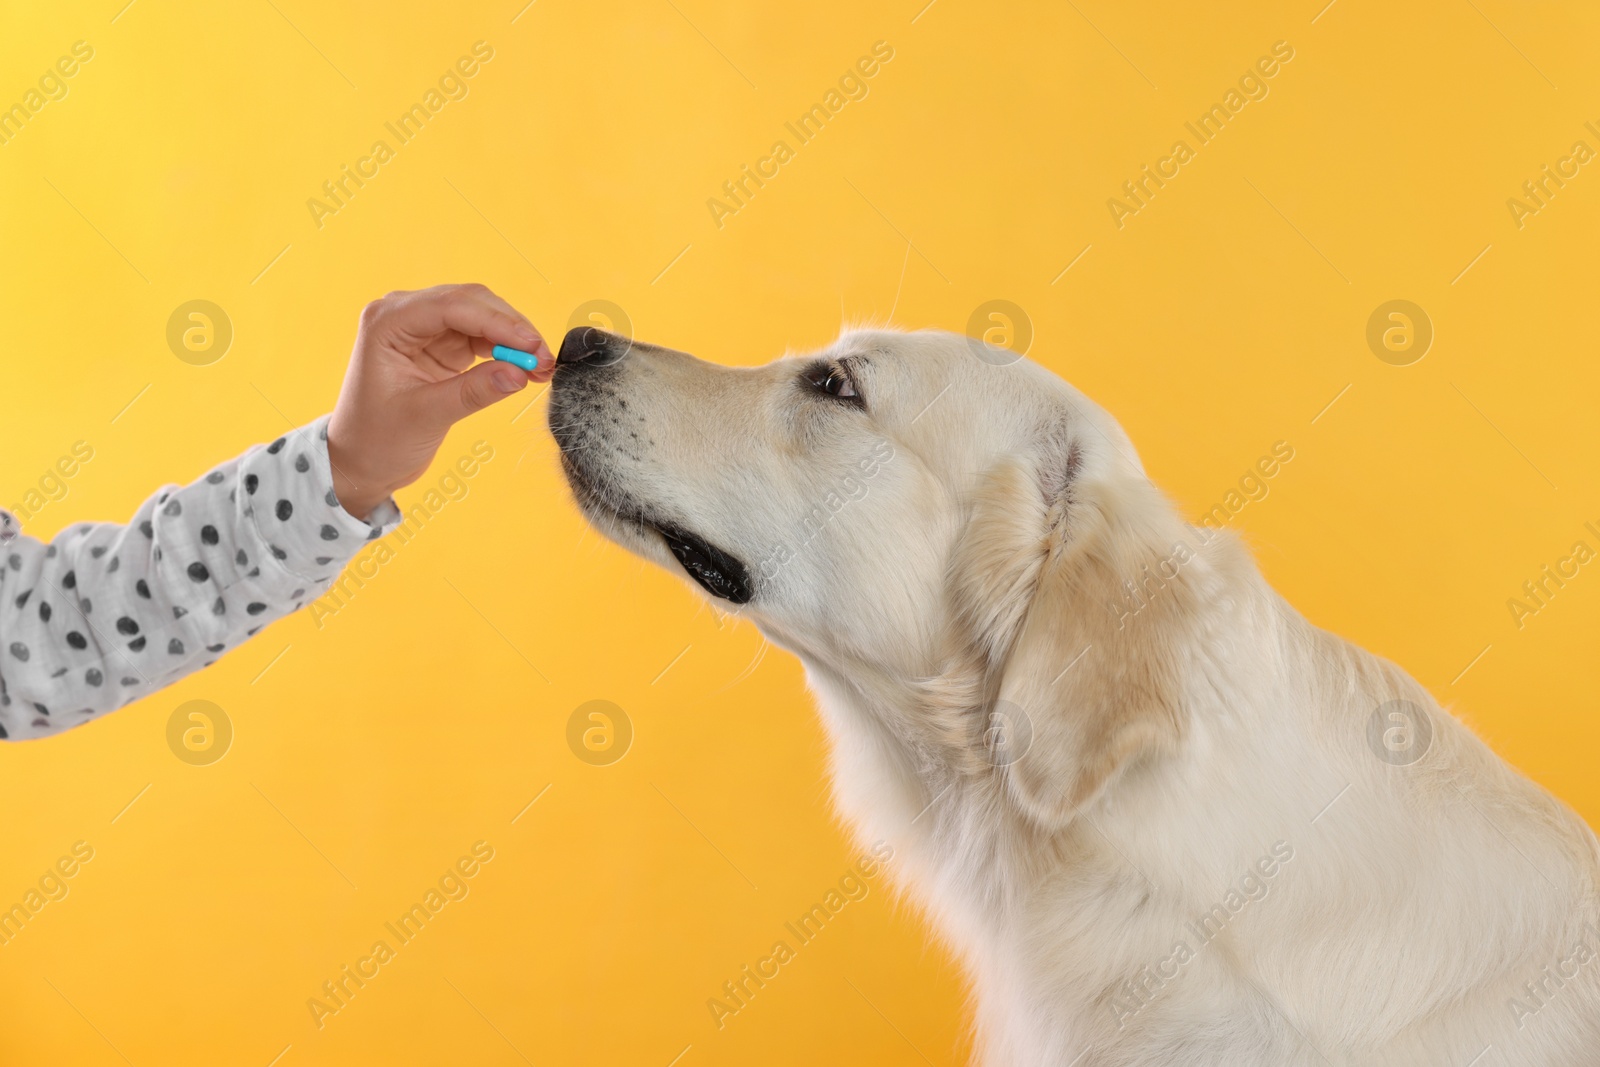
(585, 350)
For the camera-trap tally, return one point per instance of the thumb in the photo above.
(453, 399)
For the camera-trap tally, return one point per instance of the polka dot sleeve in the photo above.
(105, 614)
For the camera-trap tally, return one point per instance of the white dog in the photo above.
(1162, 818)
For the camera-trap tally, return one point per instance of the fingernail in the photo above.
(527, 333)
(508, 379)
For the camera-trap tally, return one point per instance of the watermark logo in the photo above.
(737, 993)
(1135, 994)
(1399, 732)
(1545, 987)
(1139, 191)
(737, 192)
(1399, 332)
(199, 332)
(1252, 486)
(452, 486)
(599, 733)
(606, 316)
(1138, 593)
(1538, 591)
(840, 494)
(53, 483)
(338, 192)
(52, 85)
(199, 733)
(51, 886)
(1007, 734)
(1541, 189)
(452, 886)
(999, 332)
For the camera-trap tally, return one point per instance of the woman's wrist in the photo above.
(356, 493)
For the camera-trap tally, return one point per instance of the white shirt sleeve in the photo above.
(105, 614)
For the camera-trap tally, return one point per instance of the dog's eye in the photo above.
(834, 380)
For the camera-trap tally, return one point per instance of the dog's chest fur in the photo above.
(1146, 934)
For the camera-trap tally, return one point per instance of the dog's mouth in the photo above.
(718, 573)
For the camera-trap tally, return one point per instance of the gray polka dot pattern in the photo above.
(193, 574)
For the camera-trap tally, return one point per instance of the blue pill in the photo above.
(526, 360)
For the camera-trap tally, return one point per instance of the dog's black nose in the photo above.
(592, 347)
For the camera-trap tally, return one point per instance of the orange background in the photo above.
(372, 751)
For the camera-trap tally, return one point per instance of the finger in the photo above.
(441, 404)
(495, 299)
(453, 351)
(466, 310)
(540, 348)
(482, 344)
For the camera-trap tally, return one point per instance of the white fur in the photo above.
(1177, 751)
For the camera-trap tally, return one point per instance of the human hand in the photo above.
(409, 381)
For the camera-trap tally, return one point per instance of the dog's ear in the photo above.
(1072, 583)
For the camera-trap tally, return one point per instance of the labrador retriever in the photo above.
(1162, 819)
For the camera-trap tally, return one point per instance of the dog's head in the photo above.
(905, 511)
